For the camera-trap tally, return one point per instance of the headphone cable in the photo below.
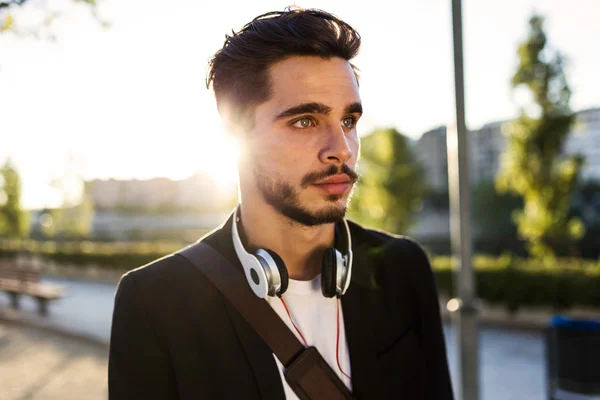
(337, 341)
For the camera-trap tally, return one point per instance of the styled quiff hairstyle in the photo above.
(239, 72)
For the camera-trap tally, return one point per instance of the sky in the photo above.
(130, 101)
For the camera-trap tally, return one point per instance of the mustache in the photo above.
(316, 176)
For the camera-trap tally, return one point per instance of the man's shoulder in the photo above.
(155, 277)
(387, 258)
(385, 243)
(169, 266)
(173, 272)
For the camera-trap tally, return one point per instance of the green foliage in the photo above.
(13, 219)
(72, 222)
(10, 18)
(493, 211)
(112, 255)
(6, 22)
(392, 186)
(514, 283)
(69, 222)
(73, 219)
(534, 167)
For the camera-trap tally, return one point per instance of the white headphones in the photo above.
(267, 274)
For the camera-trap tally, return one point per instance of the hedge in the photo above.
(121, 256)
(516, 282)
(506, 280)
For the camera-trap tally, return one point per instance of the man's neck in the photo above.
(301, 247)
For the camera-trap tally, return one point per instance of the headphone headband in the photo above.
(348, 258)
(264, 275)
(255, 274)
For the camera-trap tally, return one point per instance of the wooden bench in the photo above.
(25, 280)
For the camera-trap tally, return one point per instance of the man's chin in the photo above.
(321, 204)
(331, 210)
(317, 214)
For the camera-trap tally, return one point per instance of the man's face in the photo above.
(302, 153)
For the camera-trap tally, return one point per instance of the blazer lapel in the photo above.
(358, 320)
(359, 334)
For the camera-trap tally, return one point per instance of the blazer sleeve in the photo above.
(139, 365)
(439, 385)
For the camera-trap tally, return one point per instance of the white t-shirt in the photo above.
(316, 317)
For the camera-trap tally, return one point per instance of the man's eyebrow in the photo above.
(355, 107)
(306, 108)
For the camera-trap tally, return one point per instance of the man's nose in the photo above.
(337, 148)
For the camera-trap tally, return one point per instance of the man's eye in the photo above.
(304, 123)
(349, 122)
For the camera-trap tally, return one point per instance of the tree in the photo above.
(14, 220)
(41, 25)
(492, 211)
(534, 167)
(74, 218)
(392, 184)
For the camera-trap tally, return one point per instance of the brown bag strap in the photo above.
(232, 284)
(305, 370)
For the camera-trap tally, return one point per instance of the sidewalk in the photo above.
(37, 365)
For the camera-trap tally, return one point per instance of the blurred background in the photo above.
(112, 155)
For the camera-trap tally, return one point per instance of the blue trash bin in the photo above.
(572, 357)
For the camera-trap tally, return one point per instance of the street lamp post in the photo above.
(460, 226)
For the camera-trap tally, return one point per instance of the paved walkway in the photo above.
(512, 362)
(35, 365)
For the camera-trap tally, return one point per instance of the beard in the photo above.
(284, 198)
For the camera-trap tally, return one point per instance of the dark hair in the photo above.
(239, 72)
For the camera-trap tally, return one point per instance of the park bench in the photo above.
(21, 280)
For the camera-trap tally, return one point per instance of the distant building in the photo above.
(430, 150)
(197, 192)
(182, 226)
(158, 208)
(486, 146)
(585, 140)
(488, 143)
(143, 194)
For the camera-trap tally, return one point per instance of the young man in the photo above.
(284, 85)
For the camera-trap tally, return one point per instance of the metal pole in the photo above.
(460, 225)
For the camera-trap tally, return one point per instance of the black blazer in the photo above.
(174, 336)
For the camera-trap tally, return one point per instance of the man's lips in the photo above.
(336, 184)
(335, 179)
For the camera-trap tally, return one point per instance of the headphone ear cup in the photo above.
(328, 273)
(283, 272)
